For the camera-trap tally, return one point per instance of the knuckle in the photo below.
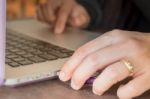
(115, 32)
(133, 42)
(81, 51)
(135, 45)
(113, 73)
(93, 59)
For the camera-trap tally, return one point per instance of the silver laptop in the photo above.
(34, 52)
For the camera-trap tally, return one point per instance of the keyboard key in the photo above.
(28, 55)
(37, 59)
(9, 47)
(21, 53)
(26, 48)
(11, 42)
(19, 46)
(14, 64)
(8, 53)
(27, 42)
(22, 40)
(8, 60)
(46, 49)
(33, 45)
(26, 62)
(37, 52)
(11, 56)
(48, 56)
(14, 50)
(18, 59)
(59, 54)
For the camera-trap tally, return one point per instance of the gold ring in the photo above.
(129, 66)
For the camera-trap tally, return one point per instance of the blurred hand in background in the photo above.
(59, 13)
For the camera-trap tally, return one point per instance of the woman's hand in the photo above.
(107, 52)
(60, 12)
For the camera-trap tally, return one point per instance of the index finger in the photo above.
(50, 12)
(62, 17)
(91, 47)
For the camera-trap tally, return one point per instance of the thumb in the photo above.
(79, 18)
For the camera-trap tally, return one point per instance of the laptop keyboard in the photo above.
(22, 50)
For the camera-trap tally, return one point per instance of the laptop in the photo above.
(35, 53)
(32, 52)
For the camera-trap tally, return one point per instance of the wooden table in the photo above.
(54, 89)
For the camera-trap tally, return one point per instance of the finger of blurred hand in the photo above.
(44, 12)
(110, 76)
(79, 17)
(75, 16)
(39, 14)
(134, 88)
(83, 22)
(94, 62)
(48, 12)
(62, 17)
(81, 53)
(78, 22)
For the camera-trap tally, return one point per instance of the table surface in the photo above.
(54, 89)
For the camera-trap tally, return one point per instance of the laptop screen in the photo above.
(2, 38)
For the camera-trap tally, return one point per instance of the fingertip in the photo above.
(122, 93)
(63, 77)
(97, 92)
(59, 27)
(58, 31)
(77, 81)
(74, 85)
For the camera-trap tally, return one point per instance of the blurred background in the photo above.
(18, 9)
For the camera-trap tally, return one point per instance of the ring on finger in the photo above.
(129, 66)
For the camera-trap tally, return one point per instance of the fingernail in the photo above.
(97, 92)
(74, 86)
(62, 76)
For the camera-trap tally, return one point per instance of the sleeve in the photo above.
(94, 8)
(144, 6)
